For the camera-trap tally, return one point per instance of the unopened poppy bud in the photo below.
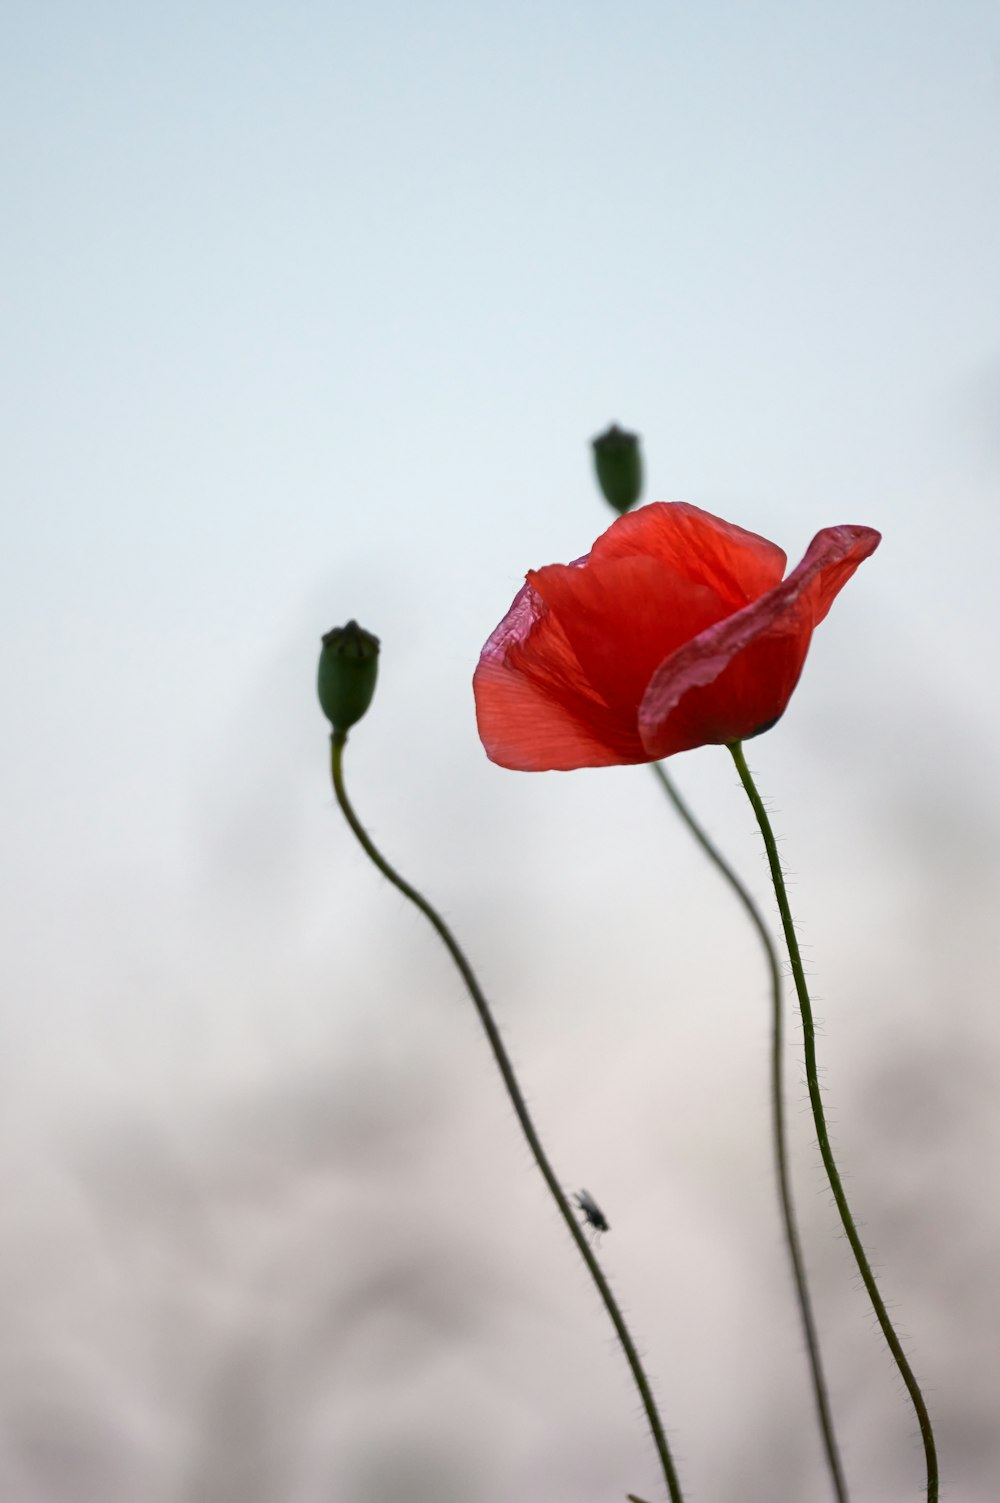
(348, 666)
(618, 462)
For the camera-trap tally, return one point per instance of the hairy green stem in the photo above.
(822, 1135)
(521, 1111)
(778, 1129)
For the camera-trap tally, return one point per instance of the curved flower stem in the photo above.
(823, 1137)
(778, 1126)
(521, 1111)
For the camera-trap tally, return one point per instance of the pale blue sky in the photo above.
(310, 312)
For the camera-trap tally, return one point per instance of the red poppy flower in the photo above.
(677, 630)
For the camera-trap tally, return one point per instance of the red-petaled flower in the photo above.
(677, 630)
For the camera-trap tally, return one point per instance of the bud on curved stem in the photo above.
(348, 668)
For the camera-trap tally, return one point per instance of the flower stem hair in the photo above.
(517, 1100)
(823, 1136)
(779, 1130)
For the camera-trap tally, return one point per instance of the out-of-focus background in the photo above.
(311, 312)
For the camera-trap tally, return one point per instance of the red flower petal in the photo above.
(735, 679)
(623, 617)
(675, 631)
(737, 565)
(535, 710)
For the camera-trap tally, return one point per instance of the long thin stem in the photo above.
(822, 1135)
(521, 1111)
(778, 1128)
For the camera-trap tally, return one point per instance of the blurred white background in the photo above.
(311, 312)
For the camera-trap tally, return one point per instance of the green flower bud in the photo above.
(348, 665)
(618, 462)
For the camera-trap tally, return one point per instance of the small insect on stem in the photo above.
(592, 1213)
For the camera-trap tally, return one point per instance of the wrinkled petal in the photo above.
(736, 565)
(622, 617)
(535, 708)
(735, 679)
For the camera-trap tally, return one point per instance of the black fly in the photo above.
(592, 1213)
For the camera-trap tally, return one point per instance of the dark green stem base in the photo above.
(822, 1135)
(521, 1111)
